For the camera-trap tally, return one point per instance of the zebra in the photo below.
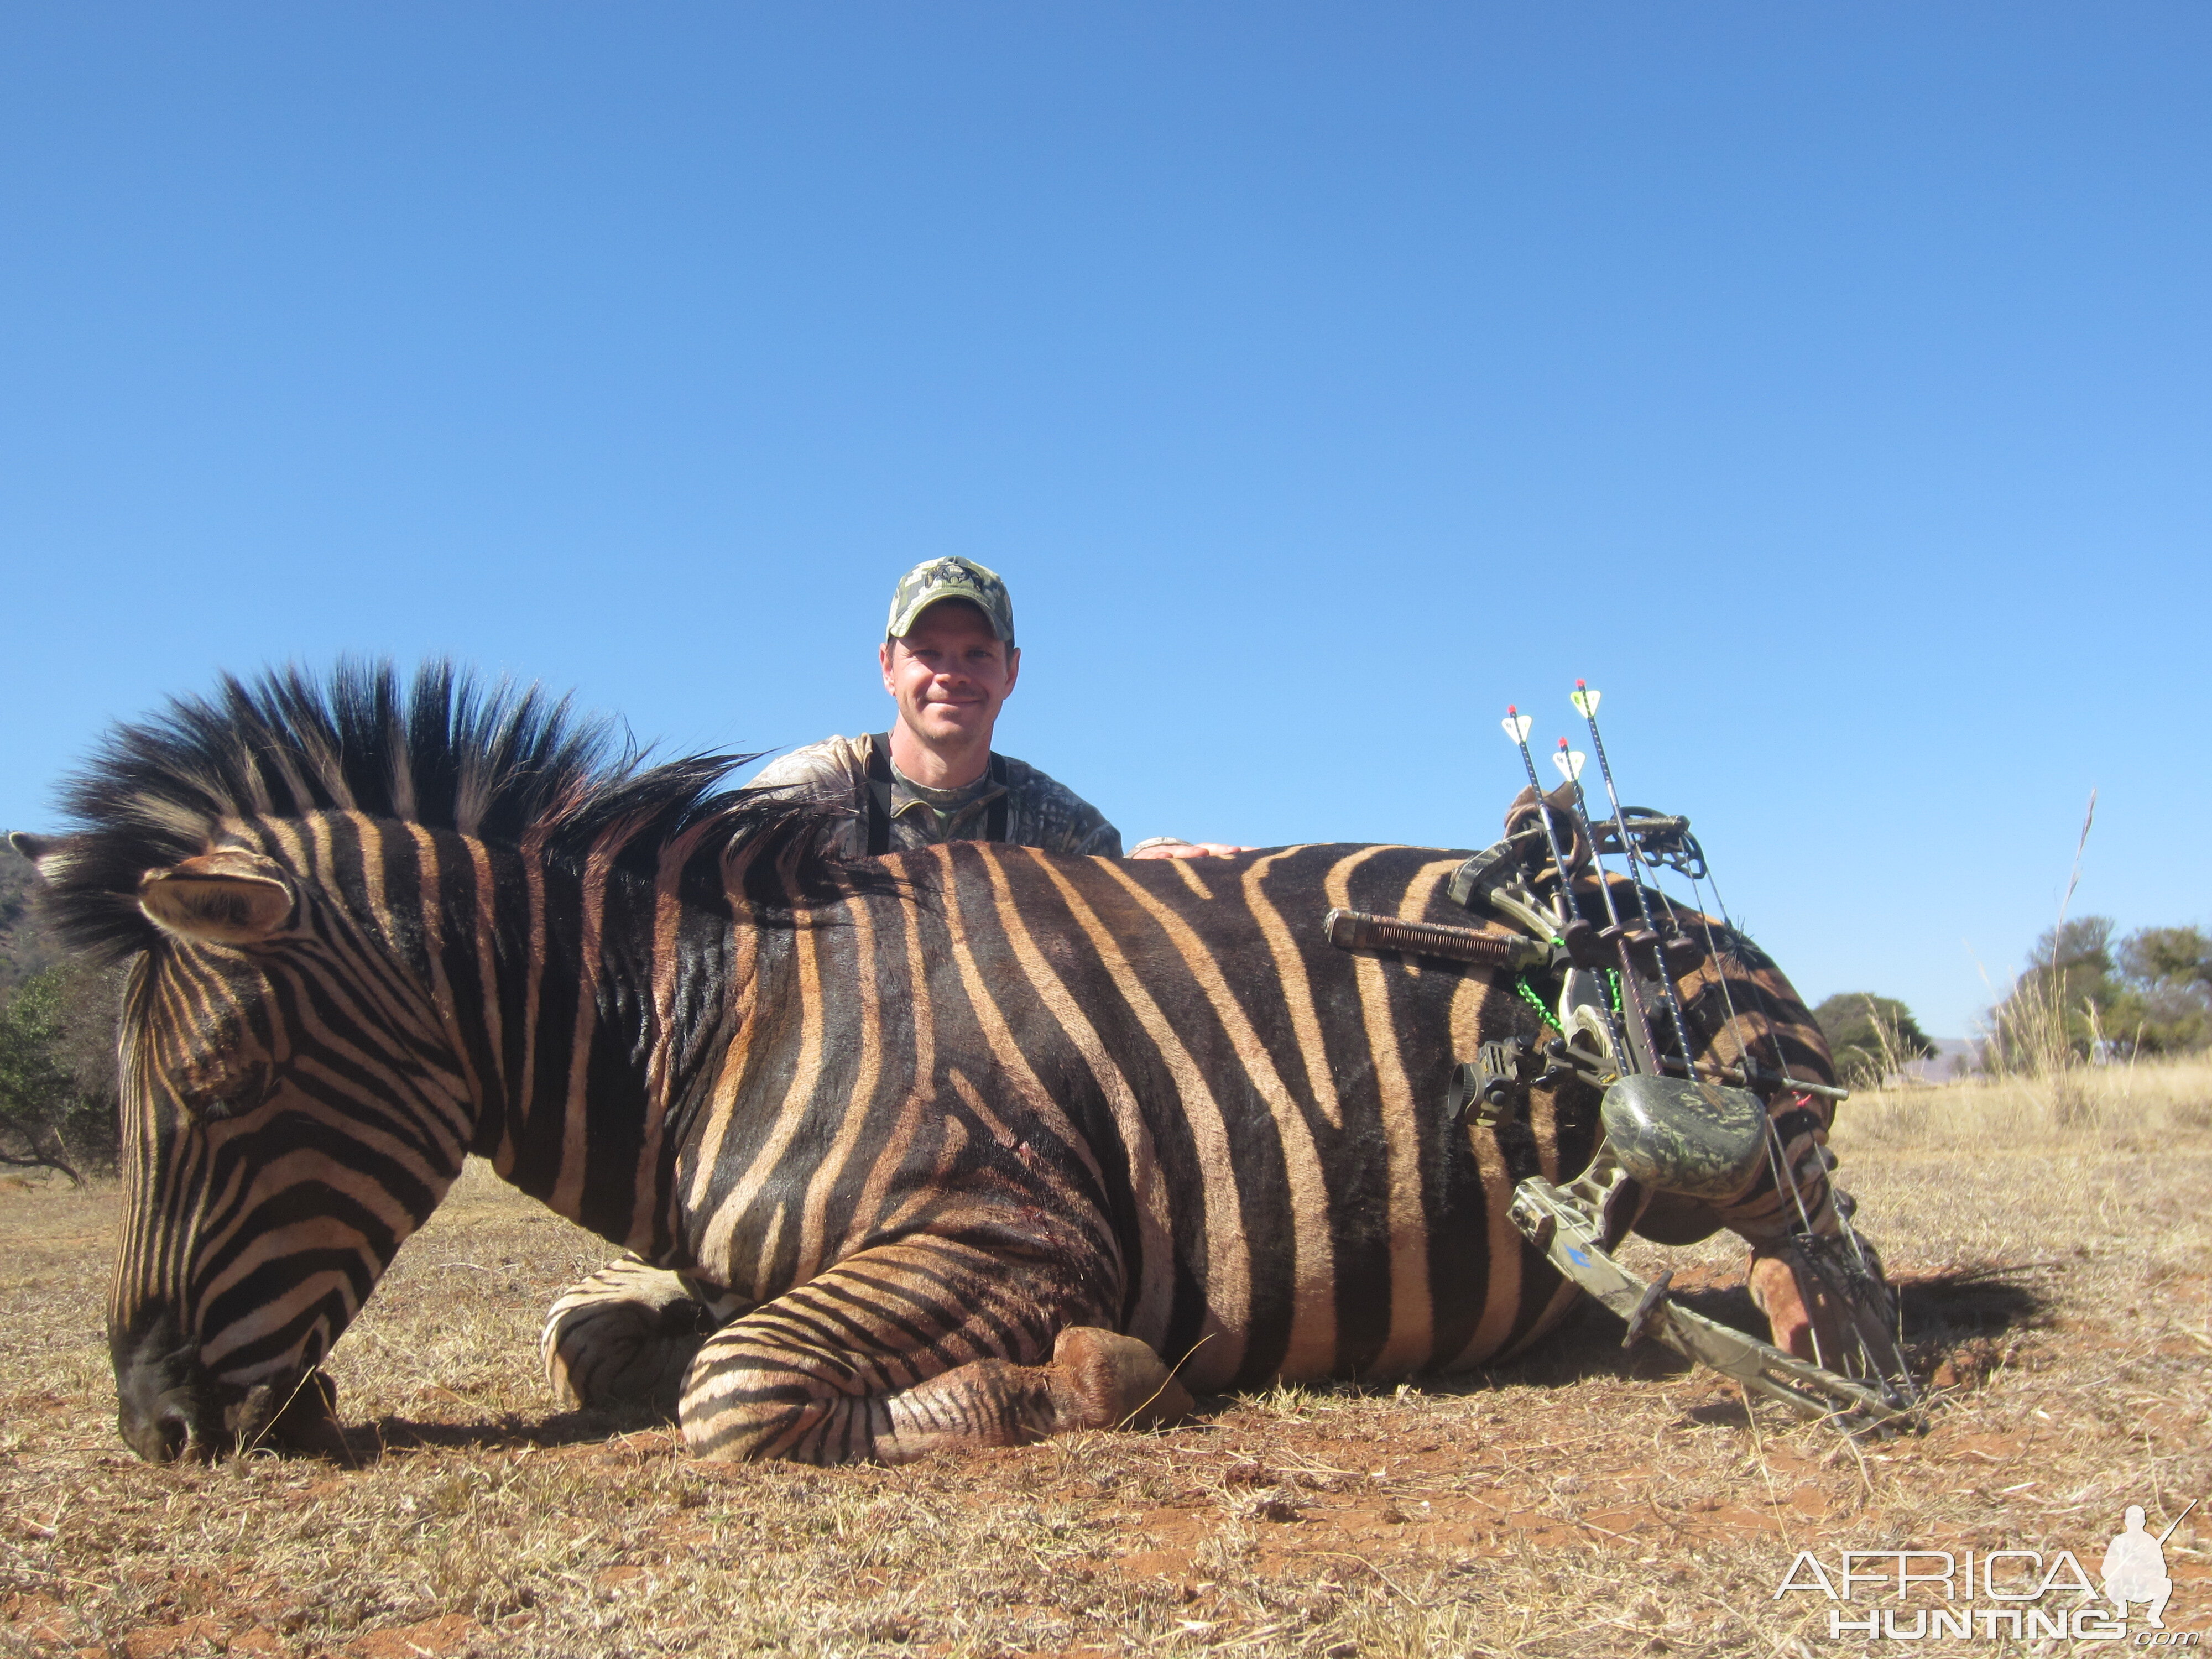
(954, 1149)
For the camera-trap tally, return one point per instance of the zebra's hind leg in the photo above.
(923, 1346)
(625, 1337)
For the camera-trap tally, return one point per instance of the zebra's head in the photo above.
(292, 1108)
(277, 1148)
(305, 877)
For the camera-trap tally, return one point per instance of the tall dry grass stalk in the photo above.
(2028, 1041)
(1892, 1052)
(2029, 1044)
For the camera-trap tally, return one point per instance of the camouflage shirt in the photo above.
(1040, 811)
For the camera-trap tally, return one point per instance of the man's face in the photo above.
(950, 674)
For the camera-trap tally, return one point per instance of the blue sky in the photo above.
(1827, 384)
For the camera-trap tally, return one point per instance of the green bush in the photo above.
(2167, 971)
(2083, 991)
(1870, 1037)
(57, 1103)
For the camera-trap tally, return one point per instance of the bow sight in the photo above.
(1684, 1125)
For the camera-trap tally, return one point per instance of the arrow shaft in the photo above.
(1544, 818)
(1636, 876)
(1632, 991)
(1562, 901)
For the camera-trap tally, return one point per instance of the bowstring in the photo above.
(1777, 1154)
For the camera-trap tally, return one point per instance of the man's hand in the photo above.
(1168, 847)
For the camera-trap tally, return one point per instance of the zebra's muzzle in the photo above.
(169, 1408)
(163, 1432)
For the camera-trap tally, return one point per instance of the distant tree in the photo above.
(2083, 945)
(2065, 1000)
(2148, 993)
(56, 1072)
(58, 1102)
(2168, 976)
(1870, 1037)
(2163, 954)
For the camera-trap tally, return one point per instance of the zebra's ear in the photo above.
(227, 897)
(49, 854)
(37, 848)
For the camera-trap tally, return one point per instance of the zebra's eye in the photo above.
(233, 1094)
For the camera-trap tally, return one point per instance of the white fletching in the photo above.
(1584, 700)
(1517, 727)
(1569, 761)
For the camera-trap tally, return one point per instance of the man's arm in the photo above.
(830, 773)
(827, 771)
(1102, 841)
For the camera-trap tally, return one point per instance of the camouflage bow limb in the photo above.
(1557, 1223)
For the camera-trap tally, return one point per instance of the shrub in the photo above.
(1870, 1037)
(58, 1105)
(2084, 992)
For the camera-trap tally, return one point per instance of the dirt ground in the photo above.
(1587, 1502)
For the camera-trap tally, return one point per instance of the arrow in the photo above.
(1516, 726)
(1586, 700)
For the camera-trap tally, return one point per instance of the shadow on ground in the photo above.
(1944, 1313)
(365, 1442)
(1943, 1308)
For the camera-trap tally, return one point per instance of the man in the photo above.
(950, 662)
(2135, 1569)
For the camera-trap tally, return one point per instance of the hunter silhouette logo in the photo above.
(1998, 1595)
(2135, 1566)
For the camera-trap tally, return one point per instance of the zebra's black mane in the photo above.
(504, 764)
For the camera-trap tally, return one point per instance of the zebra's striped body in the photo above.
(928, 1130)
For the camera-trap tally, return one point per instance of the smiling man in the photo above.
(950, 662)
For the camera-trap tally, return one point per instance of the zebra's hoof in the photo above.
(1825, 1315)
(1110, 1381)
(624, 1337)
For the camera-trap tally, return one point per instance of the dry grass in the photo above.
(2130, 1106)
(1585, 1503)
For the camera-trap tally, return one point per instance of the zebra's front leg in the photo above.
(1819, 1285)
(923, 1346)
(625, 1336)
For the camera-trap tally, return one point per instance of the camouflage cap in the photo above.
(950, 579)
